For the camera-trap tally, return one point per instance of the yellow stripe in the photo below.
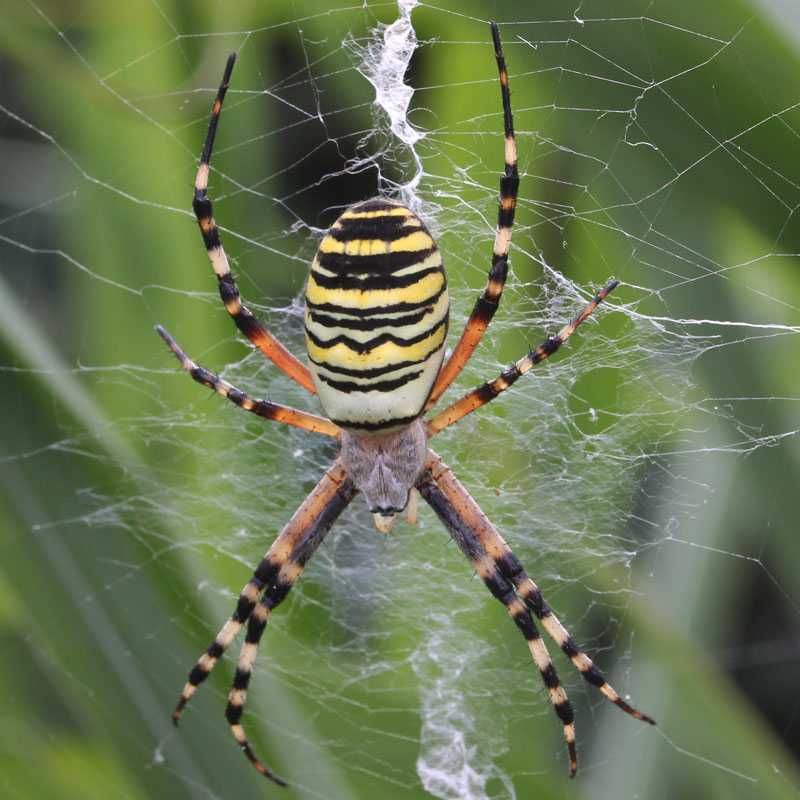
(433, 260)
(357, 298)
(354, 247)
(341, 355)
(419, 240)
(400, 211)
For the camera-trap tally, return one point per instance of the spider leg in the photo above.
(449, 509)
(262, 408)
(276, 591)
(310, 523)
(487, 540)
(488, 391)
(488, 302)
(249, 325)
(244, 669)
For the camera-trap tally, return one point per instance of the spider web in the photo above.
(657, 145)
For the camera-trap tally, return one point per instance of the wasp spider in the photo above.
(376, 321)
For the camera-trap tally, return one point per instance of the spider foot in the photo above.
(573, 759)
(595, 677)
(176, 714)
(626, 707)
(196, 677)
(241, 738)
(199, 673)
(186, 362)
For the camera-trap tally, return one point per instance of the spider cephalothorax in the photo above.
(385, 468)
(376, 321)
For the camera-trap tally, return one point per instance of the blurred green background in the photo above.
(648, 478)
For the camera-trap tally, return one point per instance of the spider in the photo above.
(376, 319)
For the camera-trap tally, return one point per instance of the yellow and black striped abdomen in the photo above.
(376, 317)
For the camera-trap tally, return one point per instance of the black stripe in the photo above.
(202, 207)
(395, 308)
(509, 375)
(373, 280)
(594, 676)
(489, 390)
(241, 679)
(484, 310)
(505, 217)
(376, 341)
(545, 349)
(264, 408)
(510, 566)
(497, 279)
(233, 713)
(534, 600)
(375, 426)
(203, 210)
(500, 588)
(375, 264)
(524, 621)
(228, 290)
(485, 393)
(266, 572)
(369, 323)
(499, 270)
(387, 229)
(550, 677)
(197, 675)
(248, 324)
(509, 185)
(380, 386)
(564, 711)
(236, 396)
(244, 607)
(368, 373)
(570, 648)
(204, 376)
(255, 629)
(277, 594)
(211, 238)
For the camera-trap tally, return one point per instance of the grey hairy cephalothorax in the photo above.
(384, 468)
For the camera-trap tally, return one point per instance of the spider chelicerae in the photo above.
(376, 321)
